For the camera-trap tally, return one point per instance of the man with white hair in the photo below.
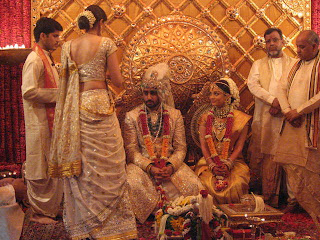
(155, 143)
(298, 150)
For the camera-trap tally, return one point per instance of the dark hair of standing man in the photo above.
(46, 25)
(271, 30)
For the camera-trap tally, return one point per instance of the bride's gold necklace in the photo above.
(221, 112)
(219, 128)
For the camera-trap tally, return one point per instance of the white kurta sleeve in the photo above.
(282, 92)
(32, 90)
(255, 87)
(310, 105)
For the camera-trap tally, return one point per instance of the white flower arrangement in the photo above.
(182, 216)
(89, 15)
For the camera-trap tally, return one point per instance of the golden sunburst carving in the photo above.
(190, 47)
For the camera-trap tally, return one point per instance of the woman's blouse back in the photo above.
(95, 69)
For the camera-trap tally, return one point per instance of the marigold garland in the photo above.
(159, 163)
(221, 183)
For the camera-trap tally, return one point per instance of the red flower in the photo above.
(215, 223)
(219, 234)
(160, 204)
(204, 193)
(176, 233)
(168, 232)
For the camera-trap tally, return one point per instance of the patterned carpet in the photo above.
(37, 231)
(299, 222)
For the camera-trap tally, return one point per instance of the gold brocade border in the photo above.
(81, 237)
(110, 111)
(123, 236)
(65, 170)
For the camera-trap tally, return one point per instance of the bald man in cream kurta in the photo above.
(301, 162)
(263, 83)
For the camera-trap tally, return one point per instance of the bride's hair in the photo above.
(224, 86)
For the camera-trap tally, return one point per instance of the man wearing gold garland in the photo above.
(223, 131)
(39, 92)
(156, 147)
(298, 150)
(263, 83)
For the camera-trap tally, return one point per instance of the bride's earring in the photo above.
(228, 101)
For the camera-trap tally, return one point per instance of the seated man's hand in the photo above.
(156, 172)
(167, 172)
(162, 173)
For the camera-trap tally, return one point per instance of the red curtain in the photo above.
(15, 29)
(315, 16)
(12, 131)
(15, 22)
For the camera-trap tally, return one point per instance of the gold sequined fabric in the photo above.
(143, 194)
(65, 155)
(87, 132)
(97, 194)
(97, 101)
(96, 68)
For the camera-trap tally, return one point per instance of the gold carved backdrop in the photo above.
(239, 24)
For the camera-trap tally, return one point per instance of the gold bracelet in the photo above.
(148, 169)
(229, 163)
(212, 165)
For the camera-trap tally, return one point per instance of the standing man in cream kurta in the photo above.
(299, 144)
(158, 121)
(39, 92)
(263, 83)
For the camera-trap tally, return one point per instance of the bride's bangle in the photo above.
(229, 163)
(212, 165)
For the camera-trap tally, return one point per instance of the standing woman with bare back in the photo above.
(87, 147)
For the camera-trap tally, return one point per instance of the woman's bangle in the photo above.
(148, 169)
(229, 163)
(212, 165)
